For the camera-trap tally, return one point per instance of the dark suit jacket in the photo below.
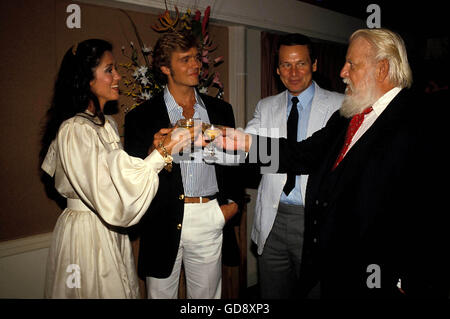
(159, 234)
(376, 209)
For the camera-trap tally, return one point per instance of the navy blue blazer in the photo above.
(158, 231)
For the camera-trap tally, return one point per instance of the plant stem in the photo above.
(141, 44)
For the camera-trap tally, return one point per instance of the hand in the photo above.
(180, 139)
(229, 210)
(233, 139)
(174, 139)
(159, 137)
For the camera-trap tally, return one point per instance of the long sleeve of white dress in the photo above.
(116, 186)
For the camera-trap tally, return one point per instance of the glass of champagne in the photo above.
(211, 132)
(188, 123)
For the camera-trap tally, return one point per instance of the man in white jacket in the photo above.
(278, 224)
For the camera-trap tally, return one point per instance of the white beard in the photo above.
(360, 98)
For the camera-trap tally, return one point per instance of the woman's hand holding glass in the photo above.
(186, 134)
(175, 139)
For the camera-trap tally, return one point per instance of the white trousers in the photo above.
(200, 251)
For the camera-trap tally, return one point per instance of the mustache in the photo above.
(348, 83)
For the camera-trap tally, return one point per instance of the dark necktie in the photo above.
(354, 125)
(292, 128)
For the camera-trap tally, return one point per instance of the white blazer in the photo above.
(270, 113)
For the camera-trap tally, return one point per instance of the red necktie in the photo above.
(354, 125)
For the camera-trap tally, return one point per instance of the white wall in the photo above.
(280, 15)
(22, 266)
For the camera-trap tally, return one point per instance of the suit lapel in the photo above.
(372, 142)
(375, 137)
(319, 111)
(279, 114)
(213, 110)
(214, 117)
(158, 110)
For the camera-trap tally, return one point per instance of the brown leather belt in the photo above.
(198, 200)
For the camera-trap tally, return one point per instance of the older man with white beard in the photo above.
(373, 223)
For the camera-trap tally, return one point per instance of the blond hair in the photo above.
(168, 43)
(389, 46)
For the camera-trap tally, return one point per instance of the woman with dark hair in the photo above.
(106, 189)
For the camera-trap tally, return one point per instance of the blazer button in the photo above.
(179, 226)
(181, 197)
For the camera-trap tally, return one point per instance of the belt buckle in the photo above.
(200, 199)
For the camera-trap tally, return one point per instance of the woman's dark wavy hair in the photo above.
(72, 91)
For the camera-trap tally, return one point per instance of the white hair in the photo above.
(389, 46)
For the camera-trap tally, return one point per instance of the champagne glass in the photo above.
(188, 123)
(211, 132)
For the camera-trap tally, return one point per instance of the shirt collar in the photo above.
(171, 103)
(198, 99)
(305, 97)
(380, 105)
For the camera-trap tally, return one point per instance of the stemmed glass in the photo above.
(188, 123)
(210, 131)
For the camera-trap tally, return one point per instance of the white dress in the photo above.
(104, 186)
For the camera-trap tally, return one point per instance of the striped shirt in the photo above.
(199, 178)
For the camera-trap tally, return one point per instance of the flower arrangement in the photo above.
(140, 82)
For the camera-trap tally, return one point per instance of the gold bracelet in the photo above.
(167, 157)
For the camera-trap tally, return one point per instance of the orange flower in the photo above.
(166, 21)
